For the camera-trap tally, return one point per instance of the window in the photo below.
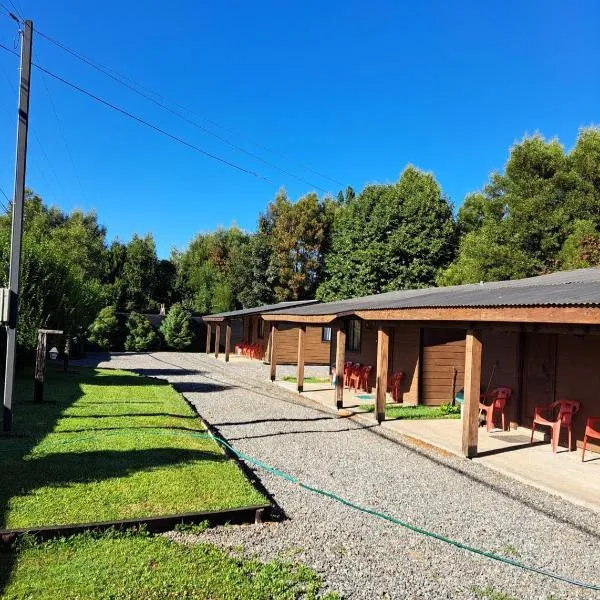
(326, 334)
(261, 328)
(353, 335)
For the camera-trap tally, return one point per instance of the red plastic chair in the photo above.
(395, 386)
(354, 376)
(559, 414)
(500, 397)
(363, 378)
(592, 429)
(347, 371)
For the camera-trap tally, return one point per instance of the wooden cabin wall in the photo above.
(500, 365)
(578, 378)
(405, 355)
(316, 351)
(443, 365)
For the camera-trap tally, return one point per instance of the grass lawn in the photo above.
(293, 379)
(108, 445)
(143, 566)
(397, 411)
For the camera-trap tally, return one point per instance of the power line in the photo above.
(136, 87)
(7, 199)
(119, 79)
(41, 146)
(144, 122)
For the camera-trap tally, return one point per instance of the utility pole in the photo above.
(17, 222)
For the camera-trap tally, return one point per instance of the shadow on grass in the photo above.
(22, 473)
(118, 416)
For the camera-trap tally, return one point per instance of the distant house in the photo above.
(255, 332)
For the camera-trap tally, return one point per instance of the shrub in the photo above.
(105, 328)
(141, 335)
(176, 328)
(450, 409)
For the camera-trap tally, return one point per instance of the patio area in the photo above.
(508, 452)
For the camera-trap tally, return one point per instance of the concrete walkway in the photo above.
(508, 452)
(357, 554)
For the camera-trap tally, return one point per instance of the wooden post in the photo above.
(217, 339)
(470, 424)
(208, 332)
(40, 362)
(300, 371)
(227, 340)
(383, 344)
(273, 351)
(340, 360)
(40, 367)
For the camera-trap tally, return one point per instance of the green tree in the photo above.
(534, 217)
(140, 334)
(139, 272)
(105, 328)
(176, 328)
(389, 237)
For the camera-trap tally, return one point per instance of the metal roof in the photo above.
(245, 312)
(580, 287)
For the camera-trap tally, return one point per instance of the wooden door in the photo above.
(539, 372)
(443, 365)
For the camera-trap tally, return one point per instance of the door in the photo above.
(539, 372)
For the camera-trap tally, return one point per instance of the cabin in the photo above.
(538, 336)
(255, 335)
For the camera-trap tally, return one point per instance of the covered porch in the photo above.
(472, 339)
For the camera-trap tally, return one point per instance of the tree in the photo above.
(104, 330)
(208, 277)
(176, 328)
(141, 335)
(534, 217)
(138, 274)
(389, 237)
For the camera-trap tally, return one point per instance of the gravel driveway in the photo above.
(361, 556)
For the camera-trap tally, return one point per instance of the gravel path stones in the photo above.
(358, 555)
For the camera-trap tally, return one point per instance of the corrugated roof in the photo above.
(244, 312)
(580, 287)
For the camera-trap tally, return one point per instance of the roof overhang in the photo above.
(564, 315)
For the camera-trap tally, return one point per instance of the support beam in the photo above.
(383, 346)
(300, 371)
(273, 351)
(217, 340)
(340, 360)
(208, 334)
(470, 424)
(227, 340)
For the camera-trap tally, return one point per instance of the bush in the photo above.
(141, 335)
(105, 329)
(176, 328)
(450, 409)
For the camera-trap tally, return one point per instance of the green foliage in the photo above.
(389, 237)
(208, 275)
(139, 274)
(62, 264)
(141, 335)
(398, 411)
(195, 528)
(104, 330)
(130, 566)
(540, 215)
(450, 409)
(176, 328)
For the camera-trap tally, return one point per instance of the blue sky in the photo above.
(356, 90)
